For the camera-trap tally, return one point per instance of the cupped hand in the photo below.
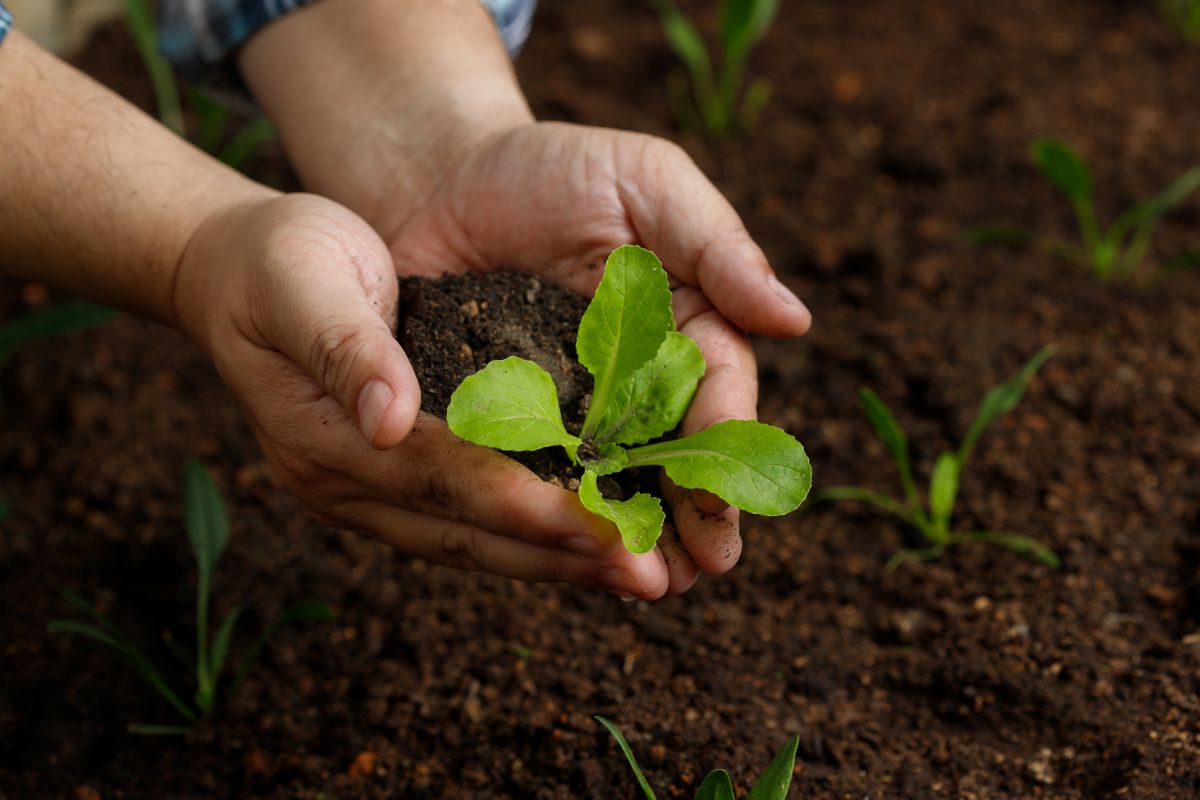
(554, 199)
(295, 299)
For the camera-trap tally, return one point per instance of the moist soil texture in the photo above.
(894, 128)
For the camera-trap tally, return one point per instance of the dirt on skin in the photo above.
(894, 128)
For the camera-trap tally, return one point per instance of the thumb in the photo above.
(329, 305)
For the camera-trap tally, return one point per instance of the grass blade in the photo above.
(166, 94)
(1018, 543)
(306, 611)
(880, 501)
(1001, 399)
(68, 317)
(774, 783)
(220, 650)
(139, 662)
(943, 489)
(889, 431)
(246, 143)
(208, 533)
(716, 786)
(633, 764)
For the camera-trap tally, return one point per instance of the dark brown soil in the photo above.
(895, 127)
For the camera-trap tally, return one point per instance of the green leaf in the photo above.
(655, 398)
(774, 783)
(68, 317)
(305, 611)
(1001, 399)
(633, 764)
(134, 656)
(889, 431)
(743, 23)
(510, 405)
(624, 325)
(717, 786)
(753, 466)
(1018, 543)
(611, 459)
(220, 650)
(943, 488)
(639, 519)
(687, 44)
(1063, 167)
(140, 21)
(204, 512)
(860, 495)
(246, 143)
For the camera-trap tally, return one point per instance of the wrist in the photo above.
(377, 99)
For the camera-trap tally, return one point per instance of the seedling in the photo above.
(645, 374)
(212, 136)
(208, 531)
(1112, 253)
(933, 521)
(1183, 16)
(718, 104)
(74, 315)
(773, 785)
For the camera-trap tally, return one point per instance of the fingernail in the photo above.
(583, 545)
(616, 580)
(785, 294)
(373, 402)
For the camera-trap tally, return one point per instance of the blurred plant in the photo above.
(208, 531)
(1183, 16)
(773, 785)
(213, 135)
(933, 523)
(1112, 253)
(68, 317)
(718, 104)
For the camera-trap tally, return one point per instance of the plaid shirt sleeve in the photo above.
(6, 20)
(199, 36)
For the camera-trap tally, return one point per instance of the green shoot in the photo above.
(772, 785)
(933, 521)
(74, 315)
(645, 375)
(1183, 16)
(1114, 252)
(212, 135)
(719, 104)
(208, 532)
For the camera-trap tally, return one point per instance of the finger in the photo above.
(330, 307)
(729, 388)
(681, 570)
(681, 216)
(467, 547)
(713, 541)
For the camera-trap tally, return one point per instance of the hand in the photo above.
(554, 200)
(295, 298)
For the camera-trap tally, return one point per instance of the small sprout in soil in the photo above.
(74, 315)
(213, 133)
(933, 522)
(772, 785)
(645, 375)
(1112, 253)
(711, 103)
(1183, 16)
(208, 531)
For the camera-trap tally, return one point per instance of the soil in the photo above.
(895, 127)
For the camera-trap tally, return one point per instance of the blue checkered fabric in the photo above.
(6, 20)
(200, 36)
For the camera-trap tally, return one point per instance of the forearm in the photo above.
(97, 198)
(375, 97)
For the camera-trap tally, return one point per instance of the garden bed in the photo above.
(895, 127)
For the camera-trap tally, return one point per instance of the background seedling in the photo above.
(213, 133)
(772, 785)
(718, 104)
(1183, 16)
(933, 521)
(208, 532)
(68, 317)
(1112, 253)
(645, 375)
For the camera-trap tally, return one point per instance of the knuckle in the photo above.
(337, 352)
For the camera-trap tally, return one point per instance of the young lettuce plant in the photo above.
(645, 374)
(933, 522)
(712, 103)
(772, 785)
(1112, 253)
(208, 531)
